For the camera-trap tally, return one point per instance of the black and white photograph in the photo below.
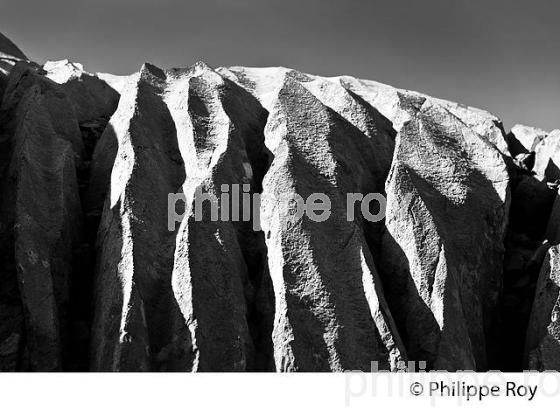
(278, 204)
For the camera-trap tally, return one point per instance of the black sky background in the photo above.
(503, 56)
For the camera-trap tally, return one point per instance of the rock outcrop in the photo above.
(264, 219)
(543, 333)
(183, 304)
(447, 208)
(331, 313)
(42, 232)
(545, 145)
(542, 347)
(41, 220)
(10, 54)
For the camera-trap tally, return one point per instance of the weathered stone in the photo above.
(546, 146)
(331, 314)
(542, 345)
(543, 332)
(182, 304)
(91, 97)
(40, 219)
(447, 204)
(432, 282)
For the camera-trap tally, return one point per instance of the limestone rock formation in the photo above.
(161, 222)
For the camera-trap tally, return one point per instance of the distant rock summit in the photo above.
(462, 273)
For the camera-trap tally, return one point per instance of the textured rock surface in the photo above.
(330, 310)
(543, 333)
(184, 304)
(42, 327)
(91, 96)
(447, 204)
(546, 146)
(542, 348)
(92, 278)
(393, 103)
(41, 220)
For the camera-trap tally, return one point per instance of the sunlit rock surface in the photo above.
(102, 270)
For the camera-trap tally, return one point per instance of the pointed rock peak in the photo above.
(411, 101)
(8, 47)
(289, 84)
(293, 93)
(201, 65)
(200, 68)
(203, 75)
(151, 72)
(299, 76)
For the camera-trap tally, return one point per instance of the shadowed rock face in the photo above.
(41, 221)
(42, 227)
(447, 204)
(542, 347)
(96, 275)
(91, 96)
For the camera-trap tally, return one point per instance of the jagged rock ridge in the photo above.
(92, 278)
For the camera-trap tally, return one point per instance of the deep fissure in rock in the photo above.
(526, 245)
(81, 308)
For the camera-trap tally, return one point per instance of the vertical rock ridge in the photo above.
(212, 279)
(541, 349)
(41, 221)
(137, 313)
(330, 310)
(218, 143)
(209, 273)
(447, 204)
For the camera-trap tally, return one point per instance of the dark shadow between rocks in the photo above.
(552, 172)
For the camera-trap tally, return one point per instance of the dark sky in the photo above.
(501, 55)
